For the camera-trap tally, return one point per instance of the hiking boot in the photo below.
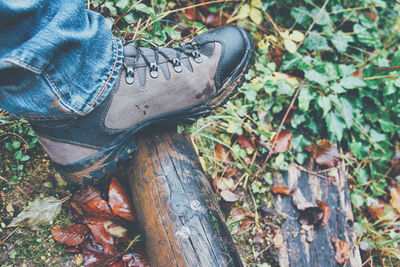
(155, 85)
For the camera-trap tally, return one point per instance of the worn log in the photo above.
(178, 214)
(312, 245)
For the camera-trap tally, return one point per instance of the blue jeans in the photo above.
(57, 59)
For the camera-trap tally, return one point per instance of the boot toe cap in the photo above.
(236, 45)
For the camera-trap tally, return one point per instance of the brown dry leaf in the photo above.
(225, 184)
(245, 142)
(395, 200)
(276, 55)
(246, 224)
(88, 194)
(221, 153)
(94, 255)
(282, 141)
(119, 201)
(326, 153)
(98, 207)
(229, 196)
(71, 235)
(326, 211)
(377, 211)
(278, 240)
(342, 249)
(283, 190)
(134, 260)
(100, 234)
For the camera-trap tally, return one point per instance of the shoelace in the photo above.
(176, 62)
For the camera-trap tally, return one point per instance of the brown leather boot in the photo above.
(155, 85)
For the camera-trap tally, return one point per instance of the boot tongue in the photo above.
(130, 51)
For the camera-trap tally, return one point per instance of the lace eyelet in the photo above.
(177, 65)
(153, 70)
(197, 57)
(129, 78)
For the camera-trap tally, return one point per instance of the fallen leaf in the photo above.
(395, 200)
(371, 15)
(71, 235)
(377, 211)
(10, 209)
(94, 255)
(290, 46)
(115, 229)
(118, 264)
(244, 11)
(100, 235)
(229, 196)
(98, 207)
(225, 184)
(119, 201)
(245, 143)
(39, 212)
(326, 212)
(245, 224)
(134, 260)
(282, 142)
(342, 249)
(276, 55)
(281, 190)
(278, 240)
(221, 153)
(296, 36)
(326, 154)
(256, 15)
(86, 195)
(190, 13)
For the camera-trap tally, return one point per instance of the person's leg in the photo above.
(56, 58)
(80, 70)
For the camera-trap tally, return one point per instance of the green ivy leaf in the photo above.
(305, 96)
(335, 126)
(145, 9)
(325, 103)
(316, 42)
(321, 16)
(357, 199)
(377, 136)
(18, 155)
(351, 82)
(122, 4)
(316, 77)
(174, 34)
(340, 40)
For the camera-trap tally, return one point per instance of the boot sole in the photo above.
(98, 165)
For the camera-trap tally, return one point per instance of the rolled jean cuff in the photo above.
(100, 91)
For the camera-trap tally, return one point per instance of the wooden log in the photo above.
(175, 205)
(312, 245)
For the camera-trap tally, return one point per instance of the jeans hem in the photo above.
(103, 91)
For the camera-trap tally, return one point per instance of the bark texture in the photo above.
(312, 246)
(175, 204)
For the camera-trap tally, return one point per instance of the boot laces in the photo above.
(189, 48)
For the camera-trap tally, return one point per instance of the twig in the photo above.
(279, 130)
(4, 240)
(256, 217)
(16, 187)
(315, 21)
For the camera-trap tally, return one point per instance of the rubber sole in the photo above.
(98, 165)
